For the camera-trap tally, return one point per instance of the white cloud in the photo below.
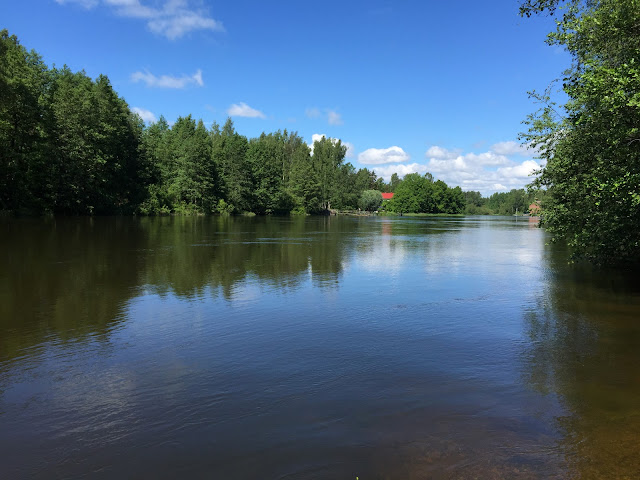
(145, 115)
(167, 81)
(487, 171)
(243, 110)
(351, 151)
(316, 137)
(521, 171)
(401, 169)
(334, 118)
(439, 152)
(380, 156)
(174, 19)
(486, 159)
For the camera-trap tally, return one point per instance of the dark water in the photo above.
(312, 348)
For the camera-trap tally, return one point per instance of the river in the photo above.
(319, 347)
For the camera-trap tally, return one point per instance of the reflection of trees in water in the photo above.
(585, 347)
(67, 278)
(191, 256)
(72, 277)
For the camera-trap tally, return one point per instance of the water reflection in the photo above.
(74, 277)
(318, 347)
(583, 347)
(69, 278)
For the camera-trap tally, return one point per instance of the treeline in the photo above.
(516, 201)
(194, 170)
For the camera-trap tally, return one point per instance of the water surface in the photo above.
(312, 348)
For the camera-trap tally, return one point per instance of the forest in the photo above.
(71, 145)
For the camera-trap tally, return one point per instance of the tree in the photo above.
(413, 195)
(271, 158)
(591, 143)
(25, 175)
(395, 181)
(370, 200)
(328, 155)
(229, 153)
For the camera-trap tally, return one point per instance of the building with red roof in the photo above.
(534, 209)
(387, 196)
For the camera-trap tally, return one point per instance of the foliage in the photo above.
(370, 200)
(592, 143)
(420, 194)
(328, 157)
(67, 143)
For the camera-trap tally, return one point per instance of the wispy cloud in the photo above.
(145, 115)
(83, 3)
(168, 81)
(380, 156)
(312, 113)
(174, 19)
(334, 118)
(243, 110)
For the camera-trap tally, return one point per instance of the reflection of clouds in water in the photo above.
(383, 254)
(445, 253)
(484, 251)
(246, 291)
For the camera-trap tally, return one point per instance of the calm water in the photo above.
(312, 348)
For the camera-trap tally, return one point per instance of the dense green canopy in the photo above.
(591, 143)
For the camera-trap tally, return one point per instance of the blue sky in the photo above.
(410, 85)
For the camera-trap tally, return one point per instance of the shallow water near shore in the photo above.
(332, 347)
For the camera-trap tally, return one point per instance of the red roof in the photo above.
(387, 196)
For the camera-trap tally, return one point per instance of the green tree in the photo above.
(328, 156)
(395, 181)
(116, 137)
(591, 143)
(413, 195)
(194, 179)
(156, 168)
(370, 200)
(271, 158)
(25, 173)
(304, 185)
(229, 151)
